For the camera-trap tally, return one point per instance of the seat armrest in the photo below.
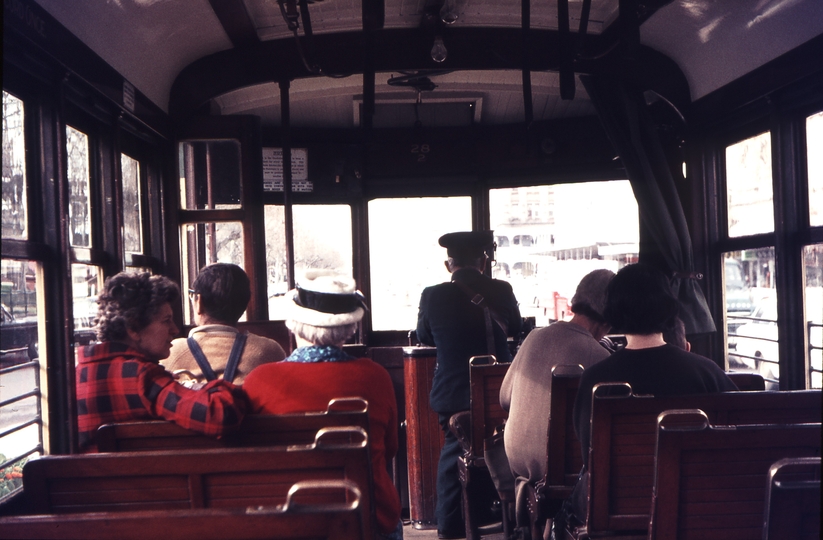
(460, 424)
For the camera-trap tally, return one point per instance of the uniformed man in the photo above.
(469, 316)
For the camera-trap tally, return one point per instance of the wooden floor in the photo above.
(491, 532)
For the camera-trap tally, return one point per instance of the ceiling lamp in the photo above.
(439, 51)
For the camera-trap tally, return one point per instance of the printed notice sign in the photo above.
(273, 170)
(128, 95)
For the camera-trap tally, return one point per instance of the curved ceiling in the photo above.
(243, 46)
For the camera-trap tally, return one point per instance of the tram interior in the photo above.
(151, 135)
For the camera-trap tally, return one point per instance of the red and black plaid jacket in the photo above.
(117, 384)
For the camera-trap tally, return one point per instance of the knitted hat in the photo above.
(323, 298)
(591, 291)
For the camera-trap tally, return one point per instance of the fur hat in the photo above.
(323, 298)
(591, 292)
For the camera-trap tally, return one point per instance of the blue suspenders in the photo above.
(231, 365)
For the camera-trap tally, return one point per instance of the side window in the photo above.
(813, 254)
(405, 256)
(553, 248)
(749, 275)
(22, 355)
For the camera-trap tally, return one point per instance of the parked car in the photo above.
(756, 340)
(18, 339)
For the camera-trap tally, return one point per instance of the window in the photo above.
(77, 151)
(322, 239)
(211, 185)
(814, 142)
(405, 256)
(15, 216)
(21, 418)
(210, 175)
(132, 215)
(208, 243)
(86, 282)
(751, 312)
(749, 186)
(546, 242)
(813, 266)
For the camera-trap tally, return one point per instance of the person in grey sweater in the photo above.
(526, 389)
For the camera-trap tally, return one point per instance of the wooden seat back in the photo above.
(710, 481)
(624, 431)
(747, 382)
(563, 447)
(256, 430)
(486, 377)
(793, 500)
(185, 479)
(336, 521)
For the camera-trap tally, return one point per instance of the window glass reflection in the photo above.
(749, 186)
(15, 220)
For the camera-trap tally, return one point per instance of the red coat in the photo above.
(289, 387)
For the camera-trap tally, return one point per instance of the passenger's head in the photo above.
(223, 292)
(590, 297)
(467, 249)
(676, 335)
(325, 308)
(639, 300)
(136, 309)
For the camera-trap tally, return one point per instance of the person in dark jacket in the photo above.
(471, 315)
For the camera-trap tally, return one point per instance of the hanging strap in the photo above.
(488, 313)
(231, 364)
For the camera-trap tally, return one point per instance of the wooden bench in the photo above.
(623, 435)
(340, 521)
(256, 430)
(710, 481)
(472, 428)
(187, 479)
(793, 500)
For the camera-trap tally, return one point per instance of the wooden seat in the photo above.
(486, 414)
(562, 450)
(256, 430)
(793, 500)
(211, 478)
(710, 481)
(334, 521)
(623, 435)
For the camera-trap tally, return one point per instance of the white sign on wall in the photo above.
(273, 170)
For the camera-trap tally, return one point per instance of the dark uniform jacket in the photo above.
(448, 320)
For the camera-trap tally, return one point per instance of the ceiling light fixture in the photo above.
(439, 51)
(448, 13)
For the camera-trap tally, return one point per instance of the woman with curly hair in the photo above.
(120, 378)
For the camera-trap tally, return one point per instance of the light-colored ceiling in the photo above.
(151, 41)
